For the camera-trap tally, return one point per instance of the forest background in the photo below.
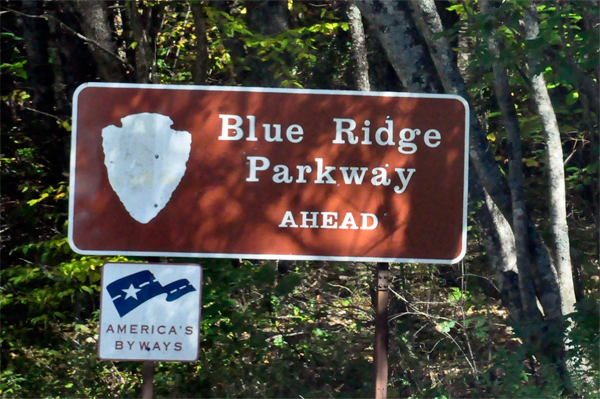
(518, 317)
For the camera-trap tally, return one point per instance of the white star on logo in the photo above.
(131, 291)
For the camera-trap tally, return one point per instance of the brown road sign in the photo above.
(232, 172)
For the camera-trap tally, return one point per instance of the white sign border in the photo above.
(265, 256)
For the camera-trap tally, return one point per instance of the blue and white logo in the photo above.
(131, 291)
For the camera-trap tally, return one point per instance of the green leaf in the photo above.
(446, 326)
(229, 302)
(319, 333)
(35, 201)
(572, 98)
(459, 8)
(87, 289)
(456, 296)
(287, 284)
(531, 162)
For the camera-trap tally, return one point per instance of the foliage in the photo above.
(288, 329)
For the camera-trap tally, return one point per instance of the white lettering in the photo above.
(254, 167)
(388, 130)
(282, 174)
(252, 130)
(428, 138)
(365, 221)
(288, 218)
(406, 146)
(226, 127)
(349, 221)
(268, 136)
(312, 219)
(324, 173)
(328, 219)
(354, 176)
(348, 130)
(293, 131)
(403, 179)
(380, 177)
(366, 140)
(301, 170)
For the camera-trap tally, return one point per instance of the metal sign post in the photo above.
(148, 380)
(380, 358)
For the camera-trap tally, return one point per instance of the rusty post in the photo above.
(148, 380)
(380, 346)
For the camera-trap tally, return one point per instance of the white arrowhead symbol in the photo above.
(145, 160)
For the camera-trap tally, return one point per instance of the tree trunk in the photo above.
(515, 175)
(199, 69)
(556, 175)
(266, 18)
(430, 24)
(499, 242)
(61, 102)
(395, 28)
(382, 75)
(591, 20)
(358, 50)
(77, 62)
(494, 182)
(143, 55)
(405, 49)
(412, 62)
(95, 25)
(585, 85)
(39, 71)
